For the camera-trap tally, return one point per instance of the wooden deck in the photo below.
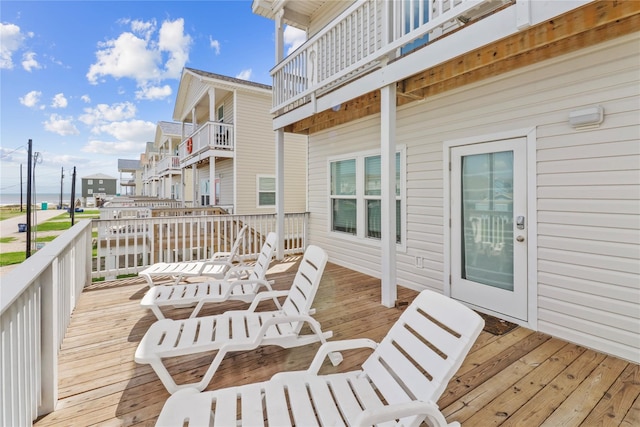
(519, 378)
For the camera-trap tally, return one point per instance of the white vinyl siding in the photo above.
(255, 155)
(588, 186)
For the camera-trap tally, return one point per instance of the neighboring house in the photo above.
(231, 150)
(488, 150)
(96, 188)
(129, 176)
(171, 181)
(150, 178)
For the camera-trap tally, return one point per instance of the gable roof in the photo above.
(191, 77)
(127, 164)
(99, 176)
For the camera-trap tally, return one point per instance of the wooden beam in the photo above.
(589, 25)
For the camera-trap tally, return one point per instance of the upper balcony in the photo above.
(209, 138)
(169, 165)
(367, 36)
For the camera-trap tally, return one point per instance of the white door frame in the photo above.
(532, 221)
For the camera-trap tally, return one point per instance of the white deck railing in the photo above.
(169, 163)
(128, 245)
(38, 297)
(211, 135)
(36, 302)
(366, 35)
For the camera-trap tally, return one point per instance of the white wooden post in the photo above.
(49, 339)
(388, 181)
(279, 150)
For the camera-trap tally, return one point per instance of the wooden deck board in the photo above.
(519, 378)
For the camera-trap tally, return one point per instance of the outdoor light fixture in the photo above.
(586, 117)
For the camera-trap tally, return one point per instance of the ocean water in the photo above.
(52, 199)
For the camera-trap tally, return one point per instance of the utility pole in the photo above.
(20, 187)
(29, 169)
(72, 207)
(61, 181)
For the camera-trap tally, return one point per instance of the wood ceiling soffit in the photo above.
(589, 25)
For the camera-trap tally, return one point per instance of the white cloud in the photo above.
(126, 56)
(103, 113)
(173, 40)
(144, 29)
(61, 125)
(59, 101)
(215, 45)
(111, 147)
(154, 92)
(31, 99)
(86, 99)
(29, 61)
(244, 74)
(293, 38)
(10, 41)
(137, 56)
(132, 130)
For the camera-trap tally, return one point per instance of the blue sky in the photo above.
(88, 81)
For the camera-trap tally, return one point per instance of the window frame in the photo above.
(361, 198)
(259, 191)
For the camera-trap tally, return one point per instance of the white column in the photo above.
(212, 180)
(280, 193)
(194, 190)
(212, 105)
(279, 150)
(388, 181)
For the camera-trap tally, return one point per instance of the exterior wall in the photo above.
(587, 191)
(225, 169)
(255, 155)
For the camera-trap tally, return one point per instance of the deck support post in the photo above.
(280, 193)
(388, 193)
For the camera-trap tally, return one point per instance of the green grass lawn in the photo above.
(7, 239)
(10, 258)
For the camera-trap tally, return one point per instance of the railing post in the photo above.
(49, 339)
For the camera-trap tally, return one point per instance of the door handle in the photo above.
(520, 238)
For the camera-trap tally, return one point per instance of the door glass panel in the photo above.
(487, 218)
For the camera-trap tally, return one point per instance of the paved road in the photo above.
(9, 228)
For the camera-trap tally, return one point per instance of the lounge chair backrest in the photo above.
(305, 283)
(264, 259)
(407, 365)
(235, 248)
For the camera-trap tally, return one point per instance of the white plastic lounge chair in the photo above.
(217, 266)
(212, 291)
(240, 329)
(399, 382)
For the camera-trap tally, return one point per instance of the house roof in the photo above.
(174, 128)
(198, 81)
(99, 176)
(226, 79)
(128, 165)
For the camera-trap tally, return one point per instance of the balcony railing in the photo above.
(129, 244)
(38, 297)
(36, 302)
(169, 163)
(362, 38)
(211, 135)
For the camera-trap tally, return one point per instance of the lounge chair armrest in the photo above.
(240, 282)
(337, 346)
(219, 255)
(216, 262)
(261, 296)
(401, 410)
(237, 269)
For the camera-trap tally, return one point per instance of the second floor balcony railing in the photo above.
(362, 38)
(168, 164)
(210, 136)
